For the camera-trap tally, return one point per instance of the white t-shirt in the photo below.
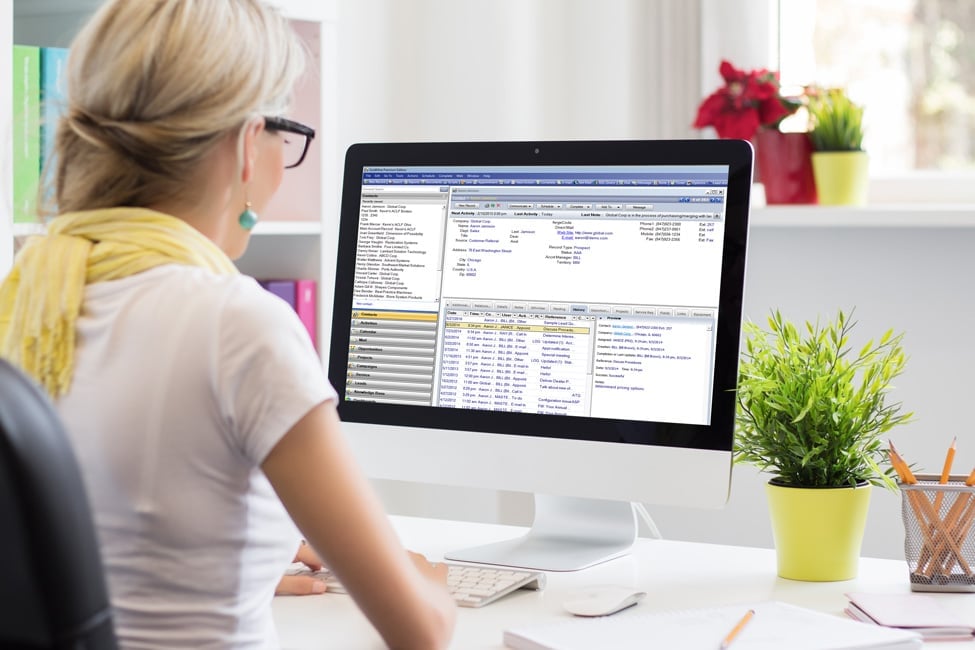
(184, 381)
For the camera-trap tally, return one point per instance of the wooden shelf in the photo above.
(25, 229)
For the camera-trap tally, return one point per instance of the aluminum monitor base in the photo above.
(567, 534)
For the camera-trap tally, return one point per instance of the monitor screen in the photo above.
(576, 291)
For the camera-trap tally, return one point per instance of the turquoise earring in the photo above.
(247, 218)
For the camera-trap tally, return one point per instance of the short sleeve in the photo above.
(268, 375)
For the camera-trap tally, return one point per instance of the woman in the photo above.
(195, 400)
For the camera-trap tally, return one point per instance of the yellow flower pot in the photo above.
(818, 531)
(841, 177)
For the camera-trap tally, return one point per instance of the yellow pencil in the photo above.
(959, 523)
(945, 473)
(900, 466)
(923, 510)
(726, 643)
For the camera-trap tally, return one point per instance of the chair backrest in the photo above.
(52, 586)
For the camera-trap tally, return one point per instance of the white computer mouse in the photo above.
(601, 600)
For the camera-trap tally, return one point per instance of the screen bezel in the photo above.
(718, 435)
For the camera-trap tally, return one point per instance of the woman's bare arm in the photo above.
(317, 478)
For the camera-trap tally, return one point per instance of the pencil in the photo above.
(963, 527)
(941, 554)
(900, 466)
(959, 523)
(926, 529)
(945, 473)
(949, 459)
(726, 642)
(923, 510)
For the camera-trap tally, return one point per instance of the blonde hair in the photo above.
(154, 85)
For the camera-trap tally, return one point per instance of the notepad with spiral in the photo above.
(774, 626)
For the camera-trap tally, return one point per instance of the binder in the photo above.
(306, 304)
(302, 295)
(27, 131)
(283, 289)
(53, 96)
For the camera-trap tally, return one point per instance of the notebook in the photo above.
(774, 626)
(919, 612)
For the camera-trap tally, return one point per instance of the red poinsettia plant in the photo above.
(747, 101)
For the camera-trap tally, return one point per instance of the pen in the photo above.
(726, 643)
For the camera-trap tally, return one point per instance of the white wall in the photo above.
(512, 70)
(532, 69)
(913, 279)
(573, 69)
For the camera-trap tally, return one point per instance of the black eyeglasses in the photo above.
(295, 148)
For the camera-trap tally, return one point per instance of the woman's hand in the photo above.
(432, 570)
(302, 585)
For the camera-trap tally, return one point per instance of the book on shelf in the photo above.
(53, 92)
(773, 626)
(301, 294)
(26, 131)
(921, 613)
(283, 289)
(306, 304)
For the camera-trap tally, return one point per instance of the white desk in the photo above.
(674, 575)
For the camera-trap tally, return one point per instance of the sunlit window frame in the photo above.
(746, 32)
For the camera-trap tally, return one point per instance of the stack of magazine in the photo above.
(920, 613)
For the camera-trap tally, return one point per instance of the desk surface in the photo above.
(675, 575)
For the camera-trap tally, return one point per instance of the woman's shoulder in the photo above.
(233, 299)
(203, 283)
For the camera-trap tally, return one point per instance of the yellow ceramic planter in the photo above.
(841, 177)
(818, 531)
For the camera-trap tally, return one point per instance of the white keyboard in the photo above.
(470, 585)
(474, 586)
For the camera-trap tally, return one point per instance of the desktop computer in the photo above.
(560, 318)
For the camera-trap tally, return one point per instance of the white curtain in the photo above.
(518, 69)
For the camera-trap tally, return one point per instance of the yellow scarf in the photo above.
(41, 297)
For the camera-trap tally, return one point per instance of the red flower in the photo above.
(747, 101)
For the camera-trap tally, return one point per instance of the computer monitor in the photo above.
(561, 318)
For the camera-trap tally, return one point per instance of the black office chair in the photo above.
(52, 586)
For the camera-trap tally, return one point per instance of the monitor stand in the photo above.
(567, 534)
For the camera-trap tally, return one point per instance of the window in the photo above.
(911, 63)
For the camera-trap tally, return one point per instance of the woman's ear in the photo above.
(249, 149)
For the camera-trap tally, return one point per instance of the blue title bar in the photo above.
(711, 175)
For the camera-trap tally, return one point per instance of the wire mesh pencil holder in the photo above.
(939, 540)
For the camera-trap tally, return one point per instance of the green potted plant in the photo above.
(839, 161)
(811, 411)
